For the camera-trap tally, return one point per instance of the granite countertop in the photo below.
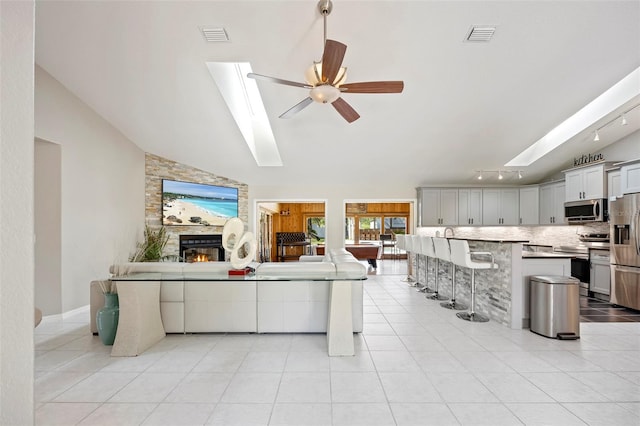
(546, 255)
(490, 240)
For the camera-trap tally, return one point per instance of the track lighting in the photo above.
(502, 174)
(623, 122)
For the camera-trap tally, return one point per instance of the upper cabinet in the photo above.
(439, 206)
(552, 203)
(469, 206)
(585, 183)
(500, 206)
(630, 178)
(614, 186)
(529, 202)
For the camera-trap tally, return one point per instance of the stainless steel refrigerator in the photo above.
(624, 217)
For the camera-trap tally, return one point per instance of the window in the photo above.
(316, 229)
(396, 225)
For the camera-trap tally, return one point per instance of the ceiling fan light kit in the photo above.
(324, 94)
(326, 79)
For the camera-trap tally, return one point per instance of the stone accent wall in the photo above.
(158, 168)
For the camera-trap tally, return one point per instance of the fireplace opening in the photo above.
(201, 248)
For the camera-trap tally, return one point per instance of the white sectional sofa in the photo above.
(280, 298)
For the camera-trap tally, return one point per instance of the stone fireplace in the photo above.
(201, 248)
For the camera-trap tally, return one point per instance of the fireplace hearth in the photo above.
(201, 248)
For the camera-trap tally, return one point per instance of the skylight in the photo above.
(245, 103)
(616, 96)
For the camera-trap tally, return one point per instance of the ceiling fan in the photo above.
(326, 79)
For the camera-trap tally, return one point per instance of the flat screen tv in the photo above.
(186, 203)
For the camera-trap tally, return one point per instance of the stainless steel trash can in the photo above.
(555, 306)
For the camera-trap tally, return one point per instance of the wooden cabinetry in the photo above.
(439, 206)
(500, 206)
(552, 203)
(469, 206)
(529, 205)
(585, 183)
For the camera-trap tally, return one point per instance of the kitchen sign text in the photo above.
(587, 159)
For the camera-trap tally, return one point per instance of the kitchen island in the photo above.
(502, 294)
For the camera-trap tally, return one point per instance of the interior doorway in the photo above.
(377, 223)
(289, 229)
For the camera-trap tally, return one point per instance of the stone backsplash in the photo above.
(557, 235)
(158, 168)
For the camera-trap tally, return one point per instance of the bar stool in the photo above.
(416, 246)
(441, 252)
(426, 249)
(461, 256)
(452, 304)
(407, 246)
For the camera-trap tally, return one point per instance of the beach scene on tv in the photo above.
(186, 203)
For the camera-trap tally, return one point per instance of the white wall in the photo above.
(102, 189)
(48, 228)
(627, 148)
(335, 198)
(16, 212)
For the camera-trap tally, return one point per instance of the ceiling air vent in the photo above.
(481, 33)
(215, 35)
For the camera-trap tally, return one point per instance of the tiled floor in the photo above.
(594, 310)
(416, 364)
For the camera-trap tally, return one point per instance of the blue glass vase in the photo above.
(107, 318)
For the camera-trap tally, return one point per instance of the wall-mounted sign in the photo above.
(356, 208)
(588, 159)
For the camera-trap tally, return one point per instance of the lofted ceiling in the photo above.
(141, 65)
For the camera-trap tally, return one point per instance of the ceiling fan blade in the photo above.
(278, 80)
(373, 87)
(345, 110)
(332, 59)
(296, 108)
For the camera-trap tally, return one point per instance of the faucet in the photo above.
(448, 228)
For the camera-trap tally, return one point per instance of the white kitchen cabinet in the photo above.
(630, 178)
(439, 206)
(552, 203)
(529, 205)
(469, 206)
(614, 186)
(585, 183)
(600, 278)
(500, 206)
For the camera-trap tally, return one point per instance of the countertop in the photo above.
(489, 240)
(546, 255)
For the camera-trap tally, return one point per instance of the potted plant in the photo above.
(150, 250)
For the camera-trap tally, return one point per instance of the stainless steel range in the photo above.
(581, 262)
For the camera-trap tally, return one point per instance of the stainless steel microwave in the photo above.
(583, 211)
